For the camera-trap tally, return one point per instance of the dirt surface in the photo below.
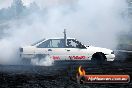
(60, 76)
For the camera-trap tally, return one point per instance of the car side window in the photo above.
(57, 43)
(52, 43)
(45, 44)
(72, 43)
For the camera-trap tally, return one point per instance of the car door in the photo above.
(54, 48)
(76, 50)
(57, 48)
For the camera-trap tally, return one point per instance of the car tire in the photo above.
(42, 59)
(36, 59)
(98, 58)
(26, 61)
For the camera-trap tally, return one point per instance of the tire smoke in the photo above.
(47, 61)
(94, 22)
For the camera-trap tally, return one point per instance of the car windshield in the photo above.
(38, 42)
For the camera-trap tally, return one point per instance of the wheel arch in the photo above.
(97, 53)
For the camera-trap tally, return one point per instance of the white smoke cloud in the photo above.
(94, 22)
(41, 3)
(50, 3)
(47, 61)
(5, 3)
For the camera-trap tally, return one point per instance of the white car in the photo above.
(65, 49)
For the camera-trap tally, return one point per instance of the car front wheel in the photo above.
(98, 58)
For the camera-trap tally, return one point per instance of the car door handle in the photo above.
(68, 50)
(49, 49)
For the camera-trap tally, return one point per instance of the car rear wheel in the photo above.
(37, 58)
(42, 59)
(98, 58)
(26, 61)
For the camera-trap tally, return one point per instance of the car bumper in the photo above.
(110, 57)
(26, 56)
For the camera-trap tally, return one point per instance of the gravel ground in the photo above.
(59, 76)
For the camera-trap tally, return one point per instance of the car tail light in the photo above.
(21, 49)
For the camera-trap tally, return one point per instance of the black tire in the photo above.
(38, 57)
(98, 58)
(26, 61)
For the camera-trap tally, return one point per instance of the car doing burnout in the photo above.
(65, 49)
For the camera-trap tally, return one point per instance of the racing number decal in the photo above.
(77, 57)
(56, 57)
(71, 57)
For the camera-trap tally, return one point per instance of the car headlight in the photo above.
(112, 52)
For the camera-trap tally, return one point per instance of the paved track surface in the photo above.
(59, 76)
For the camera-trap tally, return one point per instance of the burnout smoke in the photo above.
(95, 22)
(47, 61)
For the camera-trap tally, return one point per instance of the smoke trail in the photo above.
(47, 61)
(5, 3)
(94, 22)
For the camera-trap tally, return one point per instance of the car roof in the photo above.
(59, 38)
(42, 40)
